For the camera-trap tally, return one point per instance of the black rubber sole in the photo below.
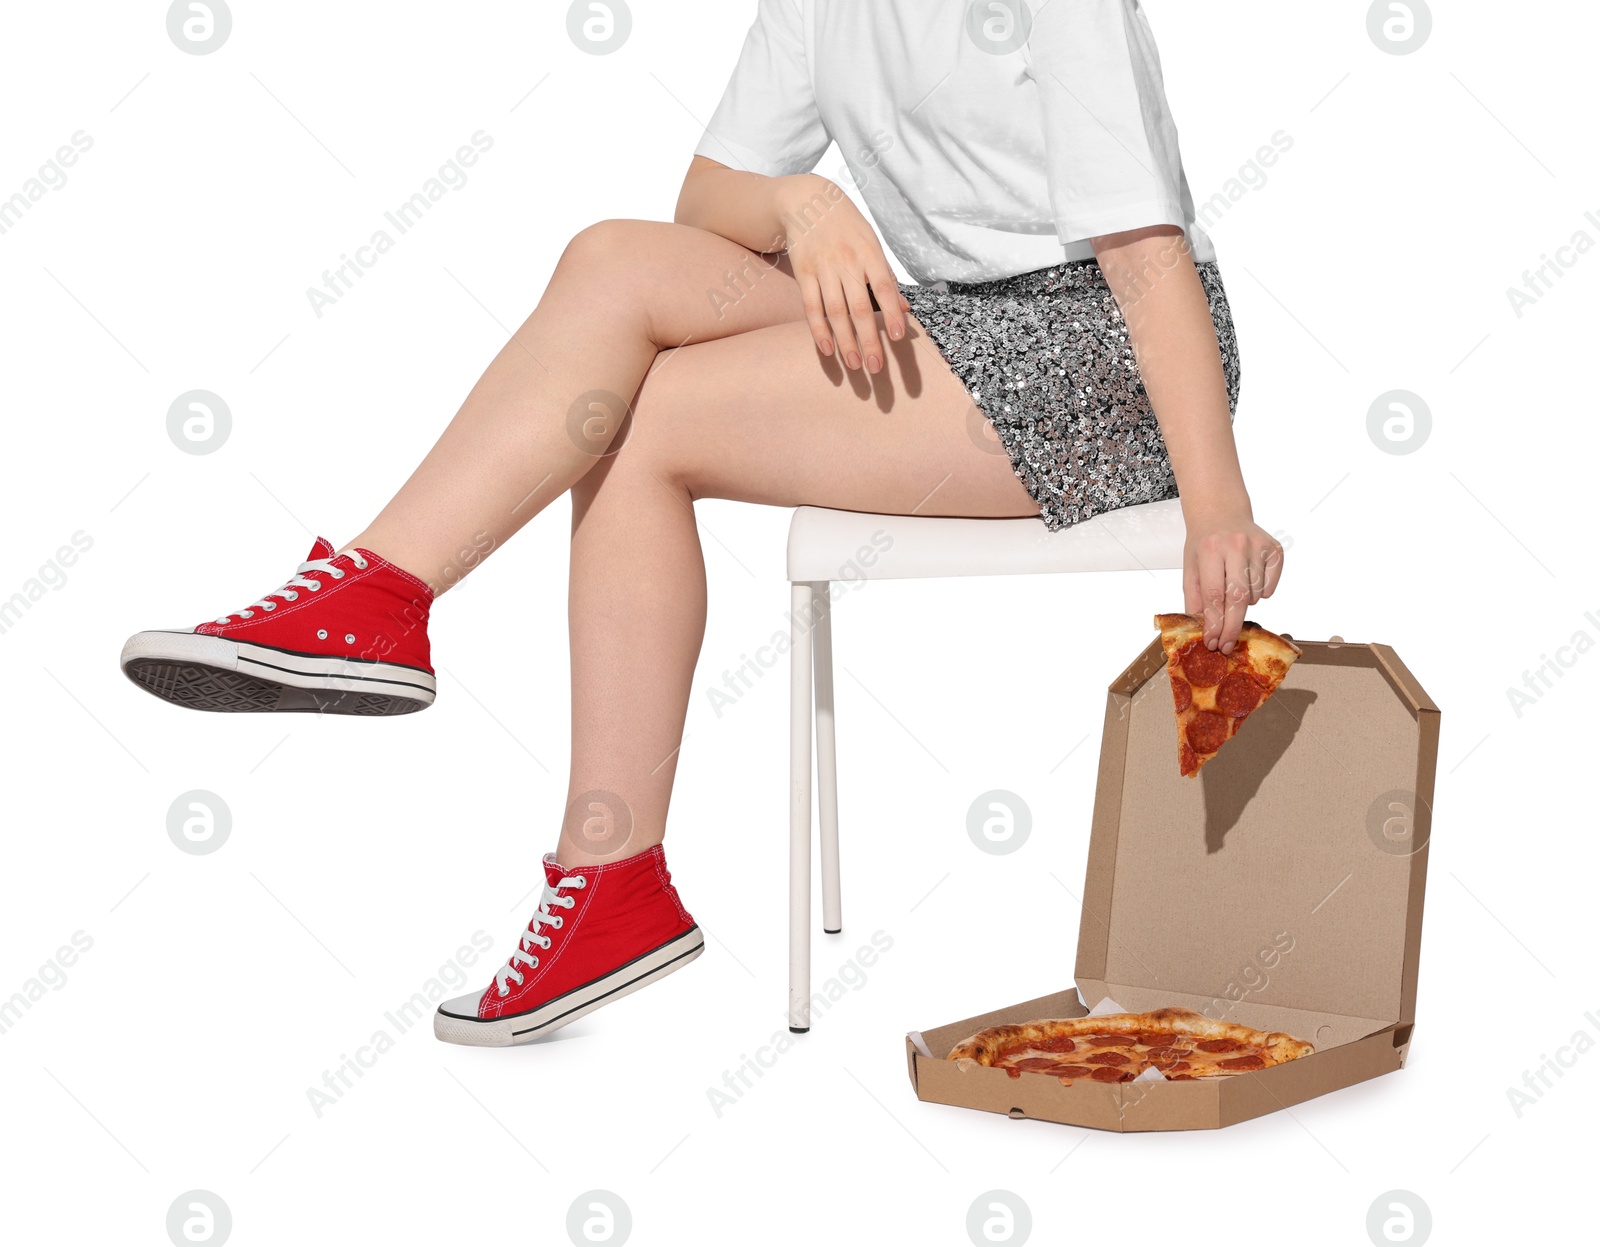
(195, 686)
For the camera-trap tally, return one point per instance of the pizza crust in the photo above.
(1274, 1047)
(1268, 653)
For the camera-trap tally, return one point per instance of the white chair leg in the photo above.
(800, 605)
(827, 757)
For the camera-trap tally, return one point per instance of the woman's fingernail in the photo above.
(873, 363)
(853, 360)
(827, 348)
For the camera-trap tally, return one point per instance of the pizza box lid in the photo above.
(1289, 873)
(1281, 888)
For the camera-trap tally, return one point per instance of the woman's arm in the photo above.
(1229, 562)
(746, 207)
(833, 251)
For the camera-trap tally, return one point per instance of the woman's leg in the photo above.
(753, 413)
(547, 407)
(747, 410)
(759, 417)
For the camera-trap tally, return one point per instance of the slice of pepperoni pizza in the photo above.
(1212, 692)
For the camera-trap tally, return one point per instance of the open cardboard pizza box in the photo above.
(1281, 889)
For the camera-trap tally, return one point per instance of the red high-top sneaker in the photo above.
(347, 634)
(600, 933)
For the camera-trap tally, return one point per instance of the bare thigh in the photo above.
(761, 416)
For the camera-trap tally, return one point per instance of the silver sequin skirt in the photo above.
(1047, 360)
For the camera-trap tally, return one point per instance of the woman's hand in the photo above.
(1229, 563)
(835, 256)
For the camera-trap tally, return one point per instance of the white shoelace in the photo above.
(533, 938)
(291, 588)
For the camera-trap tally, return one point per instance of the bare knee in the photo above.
(658, 443)
(611, 244)
(632, 476)
(614, 269)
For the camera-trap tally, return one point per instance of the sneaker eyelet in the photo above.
(349, 638)
(292, 596)
(322, 634)
(580, 882)
(242, 615)
(556, 922)
(269, 606)
(314, 585)
(337, 573)
(361, 564)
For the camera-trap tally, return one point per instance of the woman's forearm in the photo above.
(1175, 341)
(758, 212)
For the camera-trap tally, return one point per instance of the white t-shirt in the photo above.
(976, 162)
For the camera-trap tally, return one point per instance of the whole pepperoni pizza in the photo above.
(1117, 1047)
(1212, 692)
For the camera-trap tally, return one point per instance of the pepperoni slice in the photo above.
(1181, 1077)
(1218, 1045)
(1055, 1043)
(1156, 1039)
(1068, 1072)
(1173, 1066)
(1188, 764)
(1034, 1063)
(1108, 1074)
(1106, 1058)
(1182, 694)
(1112, 1041)
(1208, 731)
(1167, 1054)
(1244, 1062)
(1013, 1073)
(1240, 693)
(1204, 667)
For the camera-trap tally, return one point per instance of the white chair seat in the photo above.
(825, 546)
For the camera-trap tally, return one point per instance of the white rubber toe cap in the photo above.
(462, 1006)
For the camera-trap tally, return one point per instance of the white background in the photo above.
(178, 1053)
